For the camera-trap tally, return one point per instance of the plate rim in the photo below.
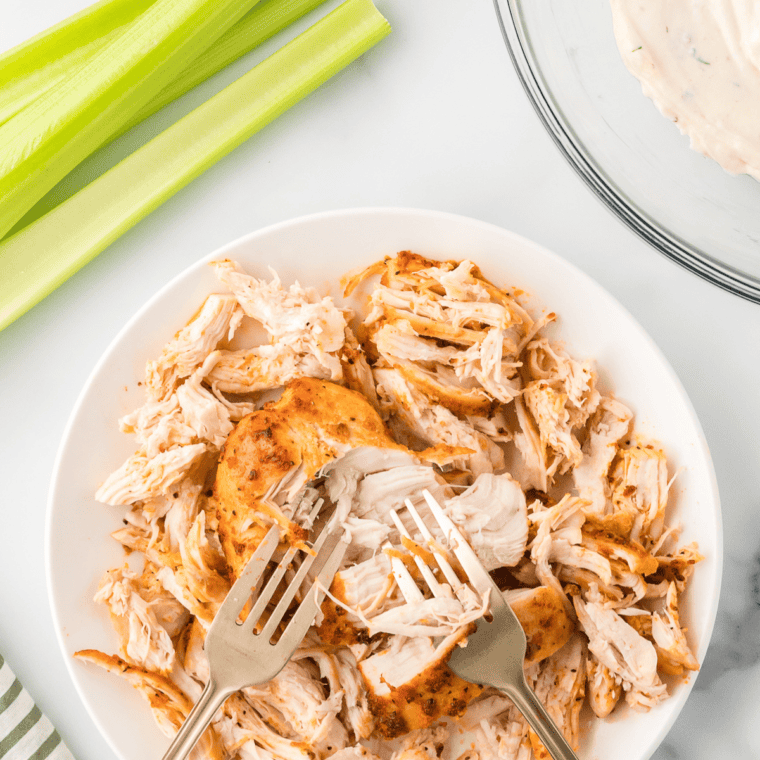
(677, 701)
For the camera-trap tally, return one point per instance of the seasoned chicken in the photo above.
(669, 638)
(169, 703)
(422, 744)
(639, 480)
(609, 424)
(141, 477)
(575, 381)
(546, 478)
(433, 423)
(217, 321)
(559, 396)
(603, 687)
(365, 586)
(494, 516)
(297, 318)
(503, 736)
(627, 654)
(544, 619)
(145, 616)
(561, 688)
(448, 332)
(410, 685)
(273, 453)
(261, 368)
(252, 728)
(355, 699)
(534, 468)
(302, 705)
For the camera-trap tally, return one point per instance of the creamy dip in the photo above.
(699, 61)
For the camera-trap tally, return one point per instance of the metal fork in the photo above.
(239, 656)
(495, 653)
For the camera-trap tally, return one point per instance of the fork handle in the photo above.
(197, 721)
(539, 720)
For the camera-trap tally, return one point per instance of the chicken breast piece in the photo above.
(669, 638)
(409, 685)
(610, 422)
(639, 480)
(169, 703)
(252, 370)
(434, 423)
(216, 321)
(543, 616)
(296, 317)
(423, 744)
(626, 653)
(603, 687)
(502, 737)
(494, 515)
(141, 477)
(366, 586)
(561, 688)
(313, 423)
(144, 615)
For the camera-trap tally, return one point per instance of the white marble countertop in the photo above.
(434, 117)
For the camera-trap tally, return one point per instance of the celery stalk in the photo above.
(256, 27)
(48, 138)
(33, 67)
(42, 62)
(40, 257)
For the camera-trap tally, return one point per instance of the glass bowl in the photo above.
(631, 156)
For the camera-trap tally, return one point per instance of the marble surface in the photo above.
(433, 117)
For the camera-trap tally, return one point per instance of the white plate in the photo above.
(317, 250)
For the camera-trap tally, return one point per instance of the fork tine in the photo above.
(335, 547)
(438, 589)
(471, 564)
(240, 593)
(274, 580)
(406, 584)
(289, 594)
(461, 591)
(267, 592)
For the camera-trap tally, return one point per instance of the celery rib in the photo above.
(48, 138)
(33, 67)
(40, 257)
(255, 28)
(258, 25)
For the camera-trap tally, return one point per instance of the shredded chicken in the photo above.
(627, 654)
(216, 322)
(561, 687)
(493, 513)
(448, 385)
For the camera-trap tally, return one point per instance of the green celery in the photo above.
(40, 257)
(255, 28)
(33, 67)
(42, 62)
(48, 138)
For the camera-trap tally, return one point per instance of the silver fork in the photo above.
(495, 653)
(238, 656)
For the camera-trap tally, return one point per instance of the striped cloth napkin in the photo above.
(25, 733)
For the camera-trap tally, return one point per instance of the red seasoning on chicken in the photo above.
(448, 385)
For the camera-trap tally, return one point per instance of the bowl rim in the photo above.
(580, 158)
(676, 702)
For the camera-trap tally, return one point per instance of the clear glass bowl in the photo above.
(631, 156)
